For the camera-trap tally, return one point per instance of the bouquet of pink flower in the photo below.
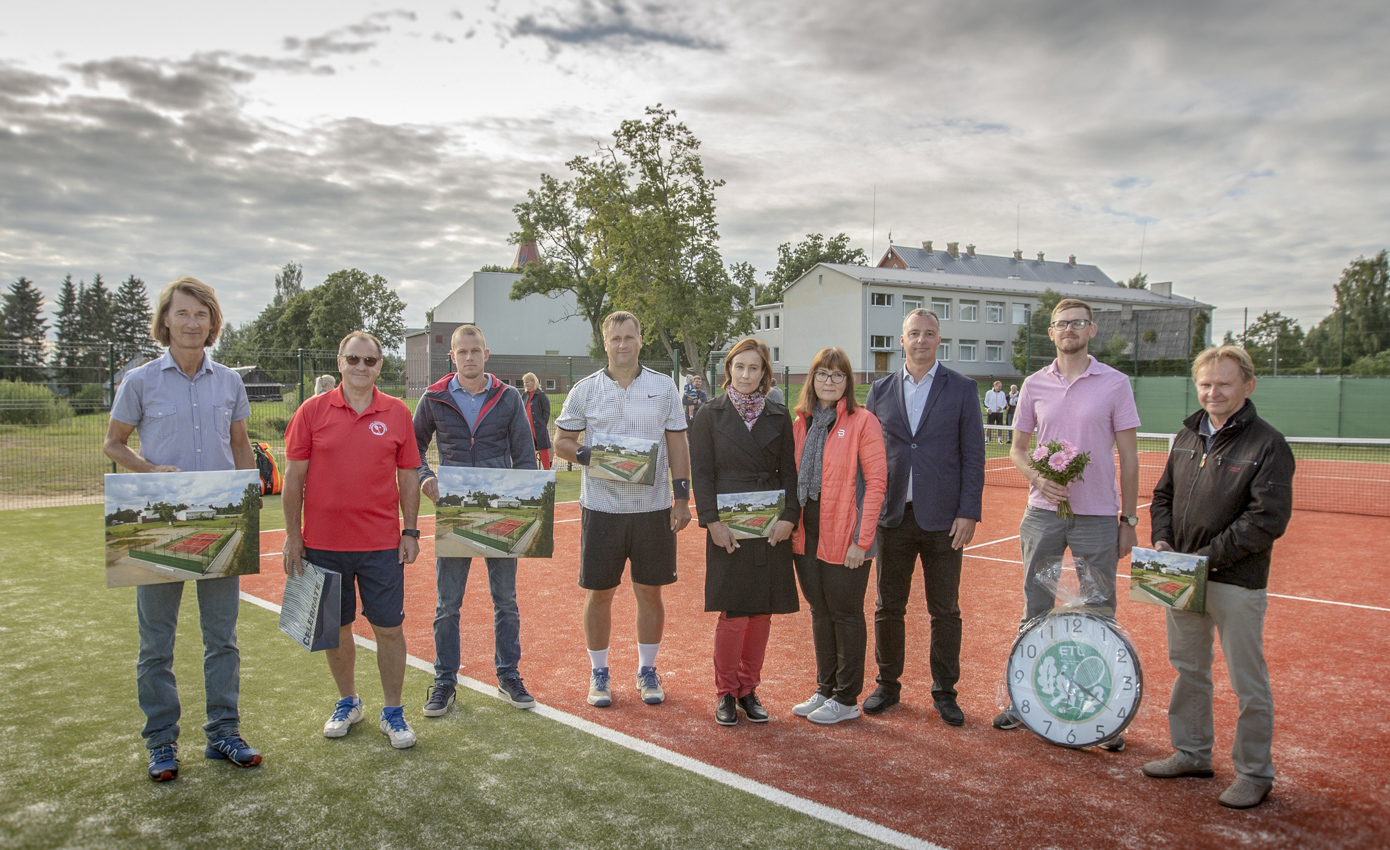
(1063, 463)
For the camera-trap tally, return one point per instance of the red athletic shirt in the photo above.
(351, 501)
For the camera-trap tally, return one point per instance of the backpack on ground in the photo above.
(271, 481)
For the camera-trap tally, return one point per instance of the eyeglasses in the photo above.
(830, 377)
(353, 359)
(1076, 324)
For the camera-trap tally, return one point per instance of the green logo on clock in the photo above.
(1073, 681)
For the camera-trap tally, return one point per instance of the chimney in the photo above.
(953, 248)
(926, 246)
(1018, 254)
(1165, 288)
(970, 250)
(1040, 255)
(1071, 260)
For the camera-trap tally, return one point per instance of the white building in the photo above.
(506, 502)
(195, 512)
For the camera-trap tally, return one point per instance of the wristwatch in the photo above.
(411, 532)
(1130, 520)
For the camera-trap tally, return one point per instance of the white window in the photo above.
(1020, 314)
(967, 350)
(776, 354)
(994, 312)
(777, 320)
(944, 351)
(881, 299)
(969, 312)
(942, 308)
(881, 343)
(994, 352)
(910, 304)
(550, 383)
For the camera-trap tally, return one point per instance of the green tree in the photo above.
(1271, 332)
(346, 301)
(25, 331)
(793, 261)
(1139, 281)
(1200, 323)
(95, 309)
(652, 218)
(289, 282)
(1042, 349)
(1363, 303)
(130, 321)
(551, 218)
(67, 356)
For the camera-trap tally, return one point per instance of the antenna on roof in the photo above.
(873, 224)
(1018, 226)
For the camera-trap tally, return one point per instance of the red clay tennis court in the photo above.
(501, 528)
(194, 544)
(1327, 636)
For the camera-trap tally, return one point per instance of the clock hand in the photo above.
(1086, 691)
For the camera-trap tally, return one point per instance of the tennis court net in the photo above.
(1345, 476)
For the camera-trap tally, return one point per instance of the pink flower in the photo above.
(1040, 452)
(1058, 461)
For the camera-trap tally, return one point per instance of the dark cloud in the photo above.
(611, 24)
(187, 84)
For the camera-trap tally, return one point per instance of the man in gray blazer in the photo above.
(936, 478)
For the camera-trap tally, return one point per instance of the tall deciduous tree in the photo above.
(289, 282)
(652, 217)
(130, 321)
(1139, 281)
(347, 300)
(793, 261)
(1363, 302)
(550, 217)
(25, 331)
(1275, 332)
(1042, 350)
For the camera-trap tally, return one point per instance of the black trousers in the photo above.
(900, 549)
(835, 595)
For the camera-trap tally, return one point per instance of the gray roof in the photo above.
(1100, 296)
(982, 265)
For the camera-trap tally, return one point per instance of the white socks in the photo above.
(598, 658)
(646, 654)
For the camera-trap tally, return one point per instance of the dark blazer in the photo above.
(726, 457)
(946, 453)
(539, 408)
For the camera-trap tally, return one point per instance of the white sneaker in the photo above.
(833, 712)
(347, 712)
(396, 730)
(802, 709)
(649, 686)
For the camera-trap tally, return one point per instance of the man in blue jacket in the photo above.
(481, 422)
(936, 480)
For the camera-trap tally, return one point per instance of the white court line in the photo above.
(1328, 602)
(832, 816)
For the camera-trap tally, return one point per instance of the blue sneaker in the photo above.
(164, 762)
(234, 749)
(649, 685)
(599, 694)
(347, 712)
(394, 727)
(513, 691)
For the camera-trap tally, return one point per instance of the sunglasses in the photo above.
(352, 360)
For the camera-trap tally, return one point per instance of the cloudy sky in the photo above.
(1241, 146)
(518, 483)
(128, 491)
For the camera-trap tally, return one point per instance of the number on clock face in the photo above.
(1074, 679)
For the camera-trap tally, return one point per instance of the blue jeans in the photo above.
(451, 577)
(158, 608)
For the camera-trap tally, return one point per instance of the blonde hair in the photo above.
(360, 335)
(467, 330)
(1072, 304)
(159, 332)
(1233, 352)
(324, 383)
(758, 347)
(530, 378)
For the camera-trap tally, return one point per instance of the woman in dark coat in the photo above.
(742, 443)
(538, 405)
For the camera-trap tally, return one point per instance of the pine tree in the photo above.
(95, 309)
(25, 331)
(67, 352)
(130, 322)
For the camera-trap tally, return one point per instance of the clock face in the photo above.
(1074, 679)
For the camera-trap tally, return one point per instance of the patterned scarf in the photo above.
(749, 407)
(808, 473)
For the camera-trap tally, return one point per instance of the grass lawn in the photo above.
(72, 766)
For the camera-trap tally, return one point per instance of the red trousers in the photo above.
(544, 455)
(739, 646)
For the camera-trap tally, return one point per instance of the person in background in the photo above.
(995, 405)
(324, 383)
(538, 405)
(191, 414)
(838, 444)
(694, 398)
(353, 462)
(1013, 409)
(741, 443)
(1226, 493)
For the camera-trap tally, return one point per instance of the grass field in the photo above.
(72, 764)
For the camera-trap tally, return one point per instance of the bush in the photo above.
(89, 398)
(30, 404)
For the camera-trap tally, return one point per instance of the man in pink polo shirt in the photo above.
(352, 461)
(1081, 400)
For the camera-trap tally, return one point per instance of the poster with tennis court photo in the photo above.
(182, 526)
(618, 458)
(494, 513)
(751, 514)
(1169, 579)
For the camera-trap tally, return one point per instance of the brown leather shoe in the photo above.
(1243, 795)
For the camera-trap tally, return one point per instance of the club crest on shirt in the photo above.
(841, 433)
(378, 427)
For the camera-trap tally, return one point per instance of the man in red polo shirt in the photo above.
(364, 463)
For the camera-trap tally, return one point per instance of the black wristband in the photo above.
(582, 455)
(681, 488)
(411, 532)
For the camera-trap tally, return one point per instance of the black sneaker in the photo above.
(1005, 720)
(1114, 745)
(512, 689)
(164, 762)
(439, 698)
(753, 708)
(726, 711)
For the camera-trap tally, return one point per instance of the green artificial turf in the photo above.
(72, 765)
